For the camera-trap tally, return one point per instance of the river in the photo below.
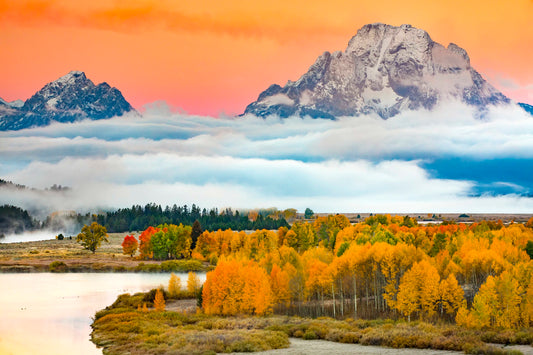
(46, 313)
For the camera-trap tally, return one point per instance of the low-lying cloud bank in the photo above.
(352, 164)
(448, 131)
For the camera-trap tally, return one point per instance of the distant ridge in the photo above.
(384, 70)
(528, 108)
(70, 98)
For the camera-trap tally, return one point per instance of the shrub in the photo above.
(213, 260)
(298, 334)
(309, 335)
(181, 265)
(350, 338)
(142, 267)
(128, 301)
(150, 296)
(57, 266)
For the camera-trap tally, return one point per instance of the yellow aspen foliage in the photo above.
(320, 253)
(296, 280)
(193, 283)
(419, 290)
(346, 235)
(159, 301)
(498, 303)
(280, 285)
(464, 317)
(390, 268)
(485, 302)
(528, 305)
(257, 296)
(508, 311)
(314, 270)
(290, 239)
(260, 243)
(451, 295)
(282, 232)
(238, 239)
(145, 308)
(394, 261)
(236, 287)
(445, 265)
(205, 245)
(222, 289)
(408, 296)
(174, 285)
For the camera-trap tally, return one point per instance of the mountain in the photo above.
(384, 70)
(70, 98)
(528, 108)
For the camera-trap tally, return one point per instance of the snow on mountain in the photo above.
(384, 70)
(14, 104)
(70, 98)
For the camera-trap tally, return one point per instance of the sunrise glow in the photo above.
(212, 57)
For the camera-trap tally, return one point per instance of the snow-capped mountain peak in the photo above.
(384, 70)
(71, 97)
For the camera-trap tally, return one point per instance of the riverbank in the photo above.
(123, 329)
(69, 256)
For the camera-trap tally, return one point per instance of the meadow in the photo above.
(69, 256)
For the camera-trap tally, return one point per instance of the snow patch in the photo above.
(305, 98)
(52, 103)
(278, 99)
(387, 96)
(16, 103)
(70, 78)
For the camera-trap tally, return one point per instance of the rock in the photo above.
(384, 70)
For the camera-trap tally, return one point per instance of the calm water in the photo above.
(46, 313)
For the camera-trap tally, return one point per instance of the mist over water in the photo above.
(50, 314)
(29, 237)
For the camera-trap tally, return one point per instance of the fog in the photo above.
(29, 237)
(350, 164)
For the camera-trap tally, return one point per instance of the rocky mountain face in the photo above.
(70, 98)
(384, 70)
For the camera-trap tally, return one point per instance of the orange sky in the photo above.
(213, 57)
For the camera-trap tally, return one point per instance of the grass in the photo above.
(44, 256)
(121, 329)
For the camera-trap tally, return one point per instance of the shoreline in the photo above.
(68, 256)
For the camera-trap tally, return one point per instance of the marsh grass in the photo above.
(121, 329)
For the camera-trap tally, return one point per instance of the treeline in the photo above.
(138, 218)
(15, 220)
(478, 275)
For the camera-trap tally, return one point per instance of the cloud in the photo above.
(352, 164)
(134, 16)
(451, 131)
(510, 87)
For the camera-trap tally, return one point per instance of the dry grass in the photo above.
(38, 256)
(120, 329)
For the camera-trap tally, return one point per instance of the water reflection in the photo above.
(48, 313)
